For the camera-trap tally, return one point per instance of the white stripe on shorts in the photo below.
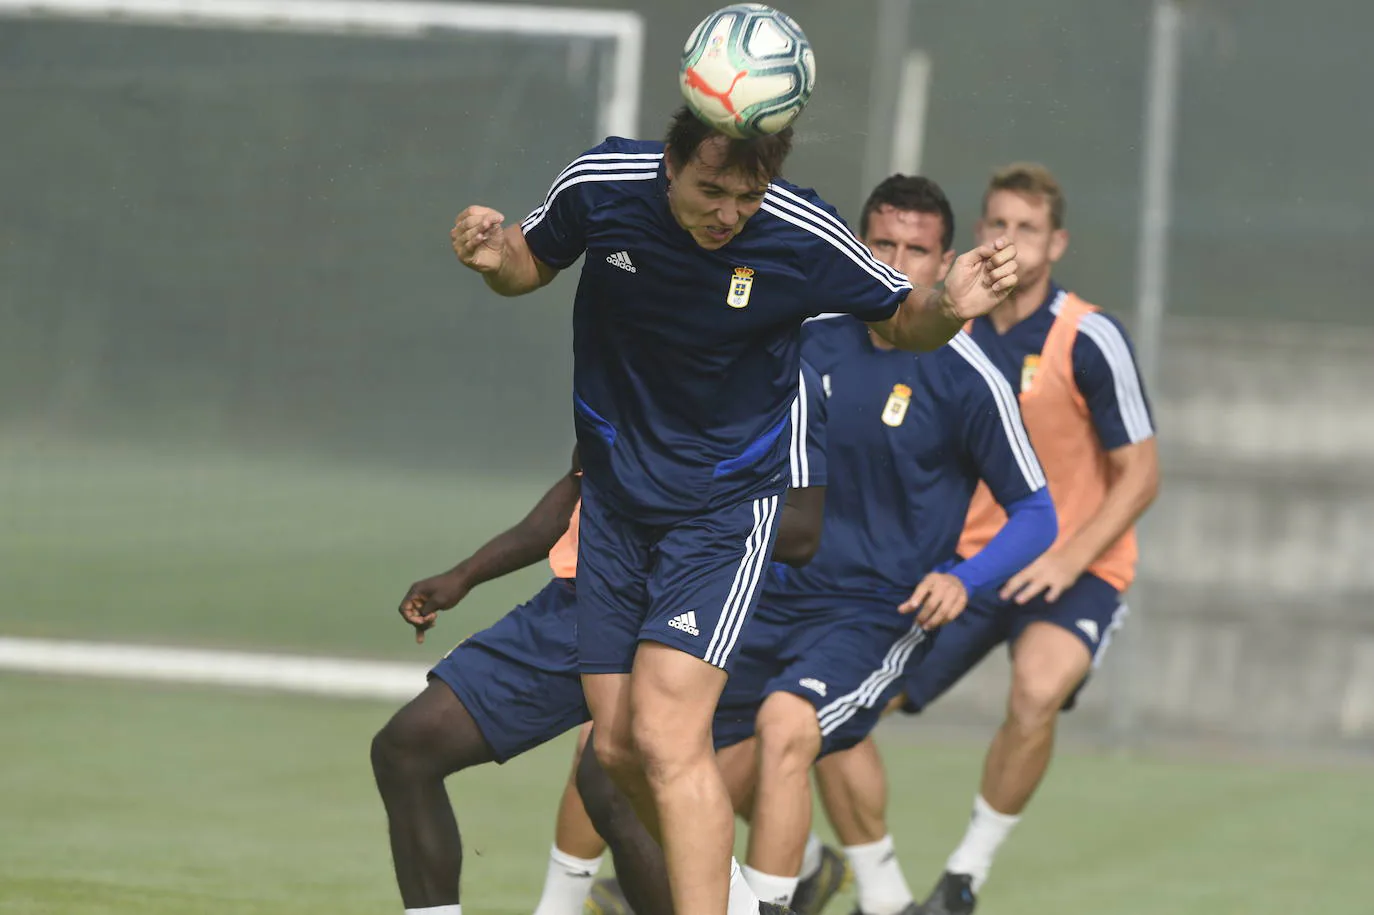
(871, 689)
(1118, 620)
(747, 575)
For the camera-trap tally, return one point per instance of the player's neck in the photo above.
(1020, 305)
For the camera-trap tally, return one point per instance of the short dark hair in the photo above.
(915, 195)
(1029, 178)
(762, 156)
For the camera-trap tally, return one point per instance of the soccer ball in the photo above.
(747, 70)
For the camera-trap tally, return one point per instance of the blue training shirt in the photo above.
(909, 436)
(543, 631)
(1104, 367)
(686, 360)
(808, 432)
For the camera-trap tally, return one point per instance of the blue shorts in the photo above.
(1091, 609)
(518, 678)
(691, 585)
(848, 663)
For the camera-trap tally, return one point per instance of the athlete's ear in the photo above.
(1059, 243)
(946, 261)
(668, 164)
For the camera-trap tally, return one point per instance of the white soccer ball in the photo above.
(747, 70)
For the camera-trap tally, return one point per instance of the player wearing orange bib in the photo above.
(1085, 409)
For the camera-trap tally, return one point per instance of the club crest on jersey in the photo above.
(894, 413)
(1028, 369)
(741, 284)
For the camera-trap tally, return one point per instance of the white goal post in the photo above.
(619, 93)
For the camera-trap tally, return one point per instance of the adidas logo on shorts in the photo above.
(622, 260)
(811, 683)
(687, 622)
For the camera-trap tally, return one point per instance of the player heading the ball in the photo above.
(701, 263)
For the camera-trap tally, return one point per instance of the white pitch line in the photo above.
(338, 677)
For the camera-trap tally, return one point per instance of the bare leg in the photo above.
(577, 849)
(639, 863)
(573, 831)
(612, 740)
(1048, 663)
(789, 742)
(853, 788)
(429, 738)
(673, 698)
(739, 767)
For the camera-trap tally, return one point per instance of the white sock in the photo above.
(437, 910)
(770, 888)
(742, 898)
(811, 858)
(987, 829)
(566, 884)
(878, 878)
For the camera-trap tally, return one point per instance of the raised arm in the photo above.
(978, 281)
(500, 254)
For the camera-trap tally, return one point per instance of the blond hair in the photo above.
(1029, 178)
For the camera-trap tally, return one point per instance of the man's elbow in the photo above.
(1147, 475)
(909, 339)
(1149, 490)
(507, 289)
(798, 549)
(1047, 522)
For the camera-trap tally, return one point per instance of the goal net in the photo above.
(225, 221)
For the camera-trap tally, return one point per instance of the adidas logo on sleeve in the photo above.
(687, 622)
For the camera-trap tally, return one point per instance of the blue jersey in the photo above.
(1103, 367)
(810, 424)
(909, 437)
(686, 360)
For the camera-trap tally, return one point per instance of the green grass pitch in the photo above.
(134, 799)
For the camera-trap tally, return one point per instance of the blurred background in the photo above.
(247, 394)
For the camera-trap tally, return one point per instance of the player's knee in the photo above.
(421, 742)
(599, 794)
(407, 749)
(391, 757)
(789, 733)
(1035, 702)
(666, 747)
(616, 755)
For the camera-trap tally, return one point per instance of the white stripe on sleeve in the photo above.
(596, 167)
(1008, 409)
(823, 217)
(865, 262)
(1130, 395)
(801, 461)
